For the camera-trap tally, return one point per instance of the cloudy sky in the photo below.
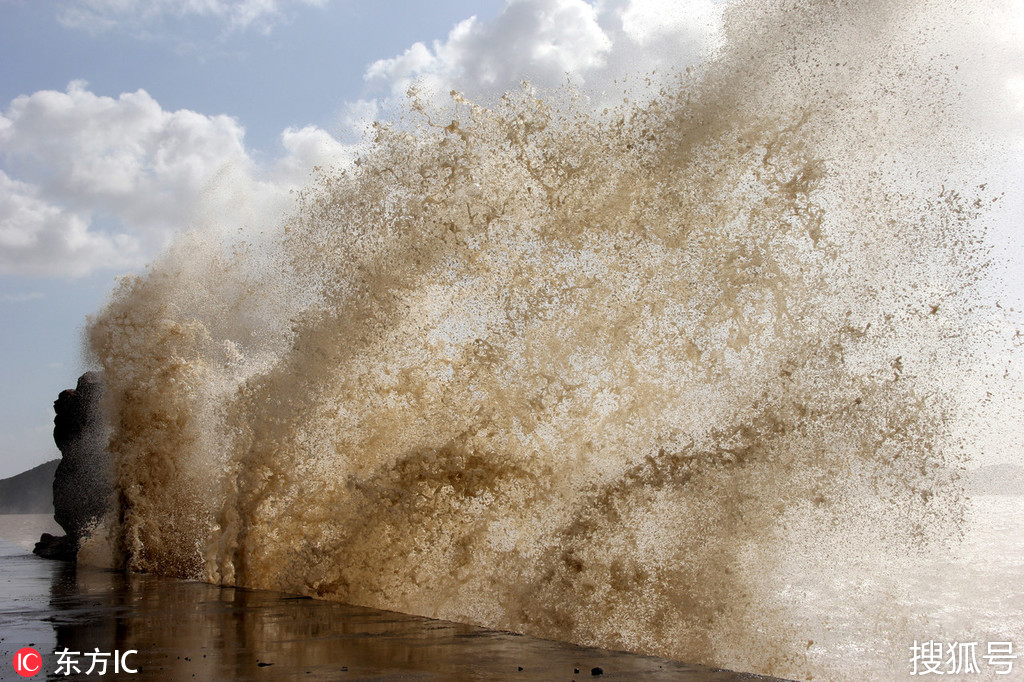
(125, 121)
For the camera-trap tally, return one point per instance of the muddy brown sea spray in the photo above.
(596, 376)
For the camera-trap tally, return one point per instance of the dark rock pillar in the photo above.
(82, 485)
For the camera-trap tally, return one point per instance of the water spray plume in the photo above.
(600, 377)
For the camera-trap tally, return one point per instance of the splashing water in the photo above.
(615, 378)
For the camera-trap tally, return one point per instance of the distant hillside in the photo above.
(997, 479)
(30, 492)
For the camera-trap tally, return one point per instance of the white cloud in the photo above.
(645, 21)
(124, 156)
(307, 148)
(544, 41)
(545, 38)
(38, 238)
(542, 38)
(91, 182)
(102, 15)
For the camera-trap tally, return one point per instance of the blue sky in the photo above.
(121, 119)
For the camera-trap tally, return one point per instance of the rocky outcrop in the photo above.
(82, 484)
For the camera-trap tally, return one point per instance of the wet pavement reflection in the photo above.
(194, 631)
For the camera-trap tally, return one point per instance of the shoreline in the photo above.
(190, 630)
